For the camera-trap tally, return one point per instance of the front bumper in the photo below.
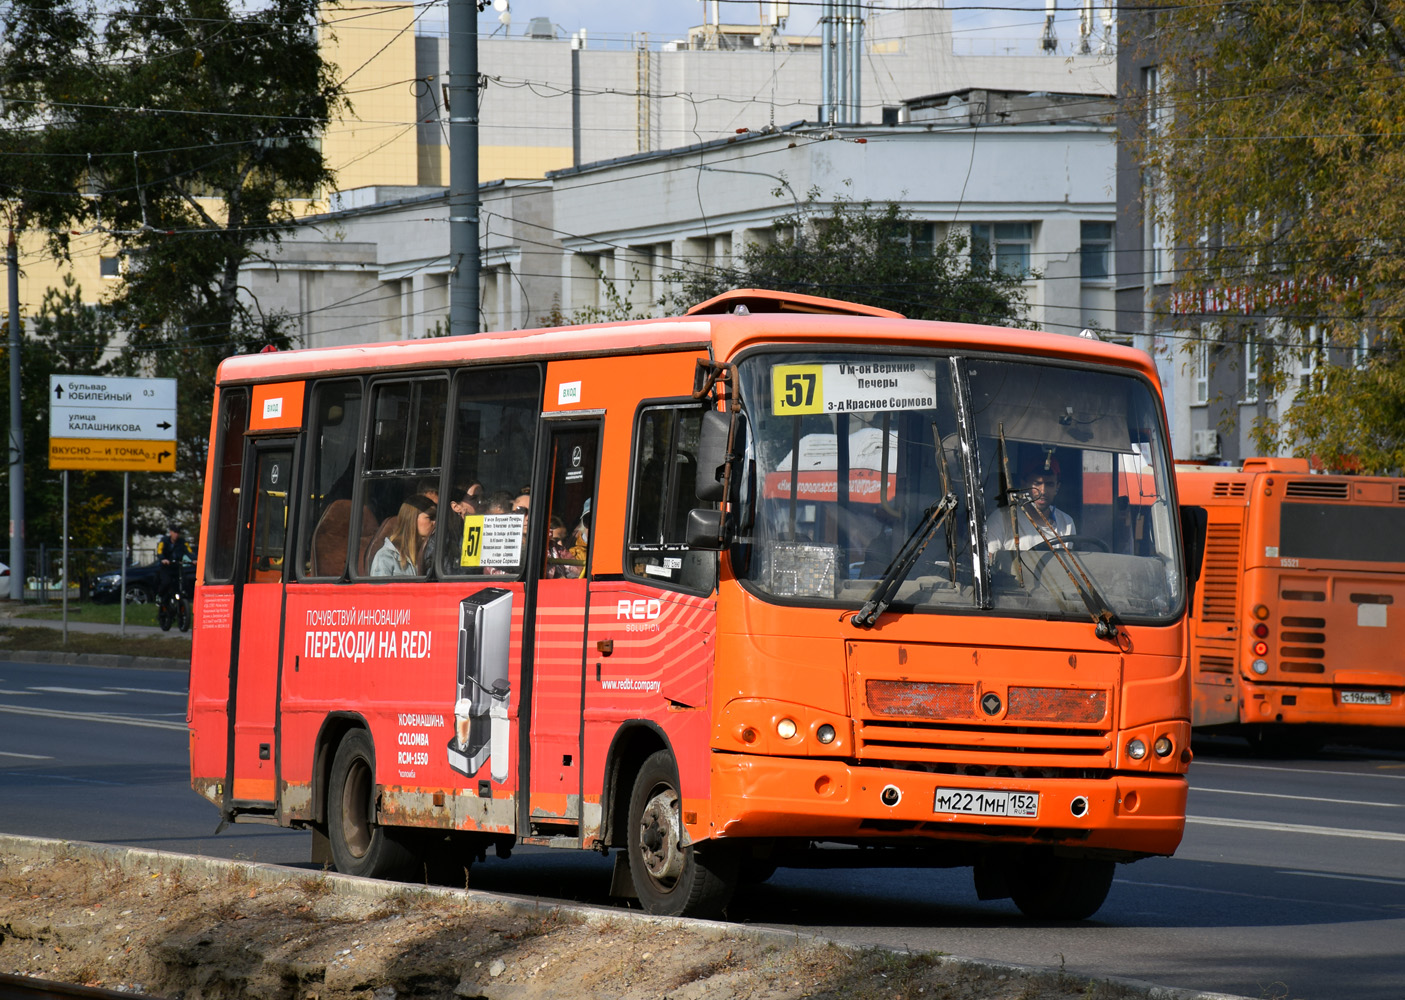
(753, 796)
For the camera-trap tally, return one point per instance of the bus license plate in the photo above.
(977, 802)
(1365, 697)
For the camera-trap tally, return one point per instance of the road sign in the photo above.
(123, 424)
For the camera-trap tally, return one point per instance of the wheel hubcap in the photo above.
(659, 839)
(355, 809)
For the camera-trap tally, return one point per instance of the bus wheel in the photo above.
(1047, 887)
(360, 845)
(672, 879)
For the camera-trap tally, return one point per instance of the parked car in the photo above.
(142, 584)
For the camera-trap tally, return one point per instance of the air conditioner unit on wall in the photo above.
(1206, 443)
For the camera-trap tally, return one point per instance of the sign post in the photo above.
(110, 424)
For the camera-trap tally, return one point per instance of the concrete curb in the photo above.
(94, 659)
(42, 849)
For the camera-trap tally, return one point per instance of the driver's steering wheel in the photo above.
(1073, 542)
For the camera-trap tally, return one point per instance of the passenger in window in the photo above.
(428, 488)
(558, 552)
(1039, 476)
(580, 546)
(460, 506)
(404, 547)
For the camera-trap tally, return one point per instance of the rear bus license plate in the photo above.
(976, 802)
(1365, 697)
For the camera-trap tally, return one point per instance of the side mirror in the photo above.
(1194, 528)
(712, 455)
(704, 528)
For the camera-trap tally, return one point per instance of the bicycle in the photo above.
(173, 609)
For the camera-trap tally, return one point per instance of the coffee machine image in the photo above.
(480, 710)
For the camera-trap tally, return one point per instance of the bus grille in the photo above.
(1321, 489)
(1304, 640)
(1220, 584)
(1228, 489)
(974, 749)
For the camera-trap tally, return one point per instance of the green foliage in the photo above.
(1275, 152)
(619, 306)
(185, 131)
(1355, 416)
(869, 254)
(65, 336)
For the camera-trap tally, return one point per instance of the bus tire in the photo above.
(360, 845)
(671, 879)
(1048, 887)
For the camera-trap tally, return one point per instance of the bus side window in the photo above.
(224, 522)
(492, 448)
(403, 455)
(664, 477)
(331, 474)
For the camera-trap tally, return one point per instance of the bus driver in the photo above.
(1039, 476)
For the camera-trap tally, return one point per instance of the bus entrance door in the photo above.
(254, 684)
(558, 672)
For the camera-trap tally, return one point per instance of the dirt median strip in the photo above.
(181, 925)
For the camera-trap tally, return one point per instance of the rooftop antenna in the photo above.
(1049, 42)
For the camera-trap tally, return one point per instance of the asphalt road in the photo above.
(1290, 882)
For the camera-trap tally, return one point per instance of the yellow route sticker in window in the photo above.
(797, 389)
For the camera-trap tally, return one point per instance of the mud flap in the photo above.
(621, 883)
(992, 878)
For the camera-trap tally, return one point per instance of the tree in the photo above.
(186, 131)
(869, 254)
(1274, 148)
(65, 335)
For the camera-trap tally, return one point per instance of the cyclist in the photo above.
(171, 554)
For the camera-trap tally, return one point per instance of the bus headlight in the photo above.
(1136, 749)
(785, 729)
(1162, 747)
(825, 734)
(1259, 666)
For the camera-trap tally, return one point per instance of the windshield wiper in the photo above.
(903, 562)
(1104, 621)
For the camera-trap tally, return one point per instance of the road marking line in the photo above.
(121, 720)
(1347, 878)
(63, 690)
(1322, 831)
(1302, 798)
(26, 756)
(1260, 897)
(1298, 770)
(173, 694)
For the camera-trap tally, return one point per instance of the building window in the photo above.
(1006, 244)
(1361, 353)
(1095, 251)
(1249, 337)
(1200, 367)
(110, 267)
(1310, 357)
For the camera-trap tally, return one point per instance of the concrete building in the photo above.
(1207, 350)
(1036, 184)
(553, 103)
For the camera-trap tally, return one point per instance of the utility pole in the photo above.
(464, 203)
(12, 260)
(16, 429)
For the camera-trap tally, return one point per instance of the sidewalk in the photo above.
(8, 616)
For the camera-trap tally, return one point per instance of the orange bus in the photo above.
(792, 613)
(1296, 629)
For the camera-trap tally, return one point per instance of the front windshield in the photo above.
(850, 452)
